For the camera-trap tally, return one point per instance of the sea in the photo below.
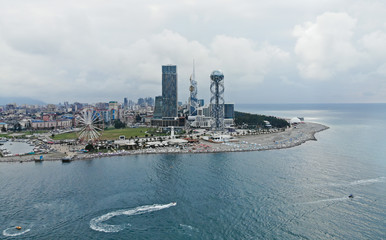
(17, 147)
(295, 193)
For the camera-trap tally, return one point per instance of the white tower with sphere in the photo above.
(217, 99)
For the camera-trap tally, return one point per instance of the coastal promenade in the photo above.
(291, 137)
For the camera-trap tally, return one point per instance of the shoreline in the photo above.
(291, 137)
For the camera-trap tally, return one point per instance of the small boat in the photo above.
(67, 159)
(18, 228)
(350, 196)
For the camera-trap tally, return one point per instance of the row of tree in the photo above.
(257, 121)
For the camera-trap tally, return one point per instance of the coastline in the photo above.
(289, 138)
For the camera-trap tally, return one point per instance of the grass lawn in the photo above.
(109, 134)
(63, 136)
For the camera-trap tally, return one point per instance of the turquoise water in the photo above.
(297, 193)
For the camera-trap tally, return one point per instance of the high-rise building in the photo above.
(141, 102)
(131, 103)
(158, 108)
(229, 110)
(169, 91)
(149, 101)
(125, 103)
(193, 102)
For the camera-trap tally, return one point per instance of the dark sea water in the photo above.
(296, 193)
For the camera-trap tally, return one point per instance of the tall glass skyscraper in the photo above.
(169, 91)
(158, 108)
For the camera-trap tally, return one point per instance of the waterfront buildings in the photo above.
(3, 126)
(51, 124)
(113, 109)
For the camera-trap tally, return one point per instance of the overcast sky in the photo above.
(280, 51)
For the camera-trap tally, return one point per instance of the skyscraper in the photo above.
(158, 108)
(125, 103)
(193, 102)
(169, 91)
(229, 110)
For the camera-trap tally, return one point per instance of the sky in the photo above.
(300, 51)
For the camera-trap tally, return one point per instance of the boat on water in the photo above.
(67, 159)
(39, 159)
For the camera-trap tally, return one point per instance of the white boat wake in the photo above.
(368, 181)
(13, 232)
(360, 182)
(329, 200)
(98, 225)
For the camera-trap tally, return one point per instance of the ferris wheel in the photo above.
(90, 121)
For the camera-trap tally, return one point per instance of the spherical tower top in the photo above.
(217, 75)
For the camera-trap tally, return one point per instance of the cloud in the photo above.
(374, 44)
(92, 51)
(325, 47)
(243, 56)
(75, 62)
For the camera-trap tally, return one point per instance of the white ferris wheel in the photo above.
(90, 122)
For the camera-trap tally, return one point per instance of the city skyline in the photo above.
(303, 52)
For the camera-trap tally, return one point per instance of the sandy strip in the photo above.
(291, 137)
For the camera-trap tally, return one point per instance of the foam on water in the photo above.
(328, 200)
(368, 181)
(98, 225)
(13, 232)
(360, 182)
(188, 227)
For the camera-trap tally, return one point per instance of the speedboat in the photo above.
(350, 196)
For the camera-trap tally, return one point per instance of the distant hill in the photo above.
(20, 101)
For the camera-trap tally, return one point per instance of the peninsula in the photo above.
(241, 140)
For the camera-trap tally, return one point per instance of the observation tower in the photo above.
(217, 99)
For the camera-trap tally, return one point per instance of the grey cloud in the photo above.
(96, 51)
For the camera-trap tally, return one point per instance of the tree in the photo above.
(89, 147)
(119, 124)
(255, 120)
(17, 127)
